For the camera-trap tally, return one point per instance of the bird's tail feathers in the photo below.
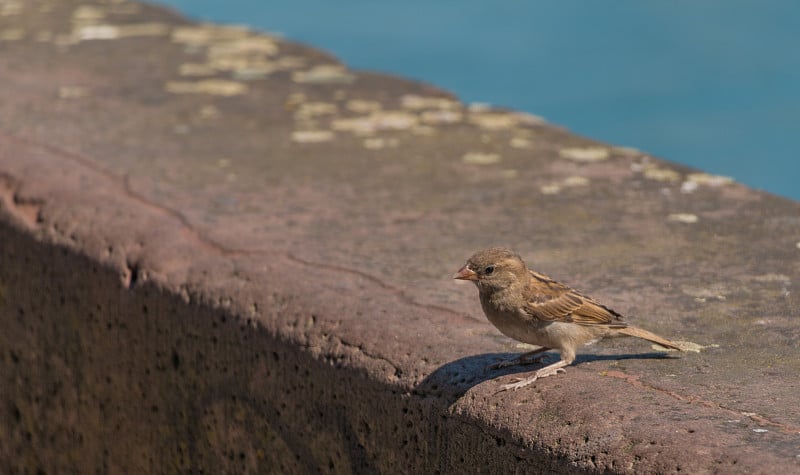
(639, 333)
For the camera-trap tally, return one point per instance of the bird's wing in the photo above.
(551, 301)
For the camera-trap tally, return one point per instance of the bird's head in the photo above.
(493, 269)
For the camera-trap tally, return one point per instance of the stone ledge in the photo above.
(247, 270)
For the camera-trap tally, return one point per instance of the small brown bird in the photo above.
(534, 309)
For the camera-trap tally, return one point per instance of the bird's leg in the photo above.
(522, 359)
(550, 370)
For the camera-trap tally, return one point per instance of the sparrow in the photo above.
(535, 309)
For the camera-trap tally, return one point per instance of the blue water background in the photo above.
(714, 84)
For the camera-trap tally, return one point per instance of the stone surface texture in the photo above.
(222, 251)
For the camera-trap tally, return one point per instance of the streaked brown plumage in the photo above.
(535, 309)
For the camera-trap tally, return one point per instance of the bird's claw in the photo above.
(519, 383)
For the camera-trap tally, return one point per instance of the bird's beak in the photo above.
(465, 273)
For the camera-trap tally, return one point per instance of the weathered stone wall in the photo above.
(226, 252)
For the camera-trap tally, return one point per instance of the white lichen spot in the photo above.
(687, 218)
(218, 87)
(196, 69)
(378, 120)
(415, 102)
(701, 294)
(550, 189)
(324, 74)
(760, 431)
(576, 181)
(782, 278)
(207, 34)
(444, 116)
(477, 158)
(656, 173)
(208, 112)
(689, 187)
(711, 180)
(312, 136)
(584, 154)
(797, 245)
(360, 106)
(72, 92)
(308, 110)
(12, 34)
(113, 32)
(10, 7)
(243, 48)
(379, 143)
(522, 143)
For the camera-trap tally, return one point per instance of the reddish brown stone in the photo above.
(187, 283)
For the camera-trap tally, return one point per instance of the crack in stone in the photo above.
(761, 420)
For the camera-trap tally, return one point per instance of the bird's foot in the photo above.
(519, 383)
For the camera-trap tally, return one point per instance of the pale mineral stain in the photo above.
(379, 143)
(416, 102)
(113, 32)
(361, 106)
(218, 87)
(208, 112)
(521, 143)
(576, 181)
(242, 48)
(584, 154)
(662, 174)
(312, 136)
(196, 69)
(550, 189)
(378, 120)
(12, 34)
(10, 7)
(710, 180)
(687, 218)
(72, 92)
(324, 74)
(207, 34)
(307, 110)
(436, 117)
(477, 158)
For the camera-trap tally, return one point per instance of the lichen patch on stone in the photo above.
(72, 92)
(415, 102)
(113, 32)
(361, 106)
(585, 154)
(216, 87)
(324, 74)
(477, 158)
(521, 143)
(312, 136)
(687, 218)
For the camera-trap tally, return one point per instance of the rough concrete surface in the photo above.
(226, 252)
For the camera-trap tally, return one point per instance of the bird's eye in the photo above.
(488, 270)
